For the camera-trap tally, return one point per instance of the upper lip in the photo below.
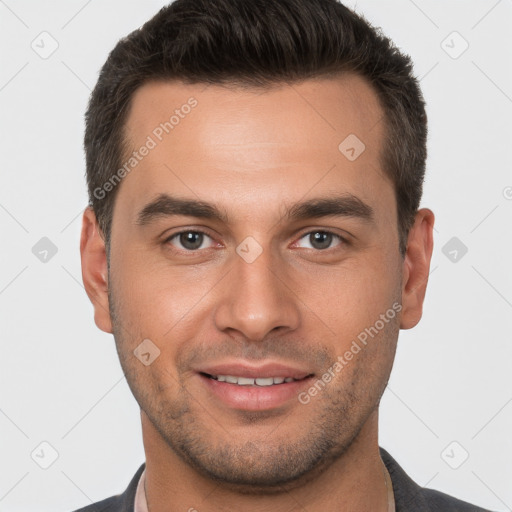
(245, 369)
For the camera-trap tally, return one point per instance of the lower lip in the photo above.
(255, 398)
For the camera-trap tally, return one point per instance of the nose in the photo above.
(256, 300)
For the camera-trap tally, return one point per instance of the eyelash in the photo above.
(342, 240)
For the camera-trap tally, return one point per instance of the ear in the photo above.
(94, 269)
(416, 267)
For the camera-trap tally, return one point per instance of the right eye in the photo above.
(189, 240)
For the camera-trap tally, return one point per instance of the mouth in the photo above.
(254, 381)
(248, 388)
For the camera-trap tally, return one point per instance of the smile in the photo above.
(250, 381)
(254, 393)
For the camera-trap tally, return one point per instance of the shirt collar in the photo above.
(141, 504)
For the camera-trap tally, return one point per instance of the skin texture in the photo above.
(255, 153)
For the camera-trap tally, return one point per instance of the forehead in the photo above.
(315, 110)
(274, 142)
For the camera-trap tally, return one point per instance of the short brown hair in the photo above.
(258, 43)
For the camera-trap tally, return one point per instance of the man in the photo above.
(254, 243)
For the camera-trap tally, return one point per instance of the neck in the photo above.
(354, 482)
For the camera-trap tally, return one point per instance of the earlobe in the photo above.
(416, 268)
(94, 269)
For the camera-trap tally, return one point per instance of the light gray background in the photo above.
(61, 381)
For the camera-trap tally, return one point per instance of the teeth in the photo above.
(264, 381)
(249, 381)
(245, 381)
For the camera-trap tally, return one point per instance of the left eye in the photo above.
(189, 240)
(321, 240)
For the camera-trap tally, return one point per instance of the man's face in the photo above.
(285, 302)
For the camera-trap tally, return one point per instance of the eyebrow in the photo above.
(345, 205)
(165, 206)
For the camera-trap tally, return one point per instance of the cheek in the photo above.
(352, 297)
(157, 298)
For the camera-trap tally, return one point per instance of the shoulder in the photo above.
(439, 501)
(112, 504)
(121, 502)
(410, 496)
